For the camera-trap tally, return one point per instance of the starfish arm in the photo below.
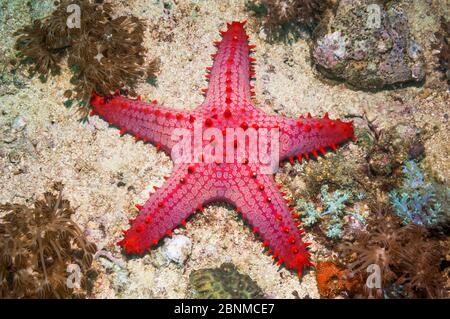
(150, 122)
(184, 192)
(305, 136)
(229, 77)
(262, 205)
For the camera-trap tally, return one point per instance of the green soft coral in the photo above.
(332, 212)
(418, 201)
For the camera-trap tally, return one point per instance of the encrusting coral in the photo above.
(332, 280)
(105, 53)
(224, 282)
(41, 248)
(385, 150)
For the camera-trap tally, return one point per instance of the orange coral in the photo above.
(331, 279)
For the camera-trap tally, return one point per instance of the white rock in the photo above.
(19, 124)
(177, 249)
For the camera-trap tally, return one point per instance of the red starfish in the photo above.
(241, 181)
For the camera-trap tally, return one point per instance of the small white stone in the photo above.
(19, 124)
(177, 249)
(210, 249)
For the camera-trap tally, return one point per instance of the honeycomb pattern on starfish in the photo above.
(228, 105)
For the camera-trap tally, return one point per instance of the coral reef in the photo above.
(388, 251)
(368, 45)
(225, 282)
(385, 150)
(43, 253)
(104, 52)
(375, 169)
(380, 145)
(332, 280)
(282, 19)
(419, 202)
